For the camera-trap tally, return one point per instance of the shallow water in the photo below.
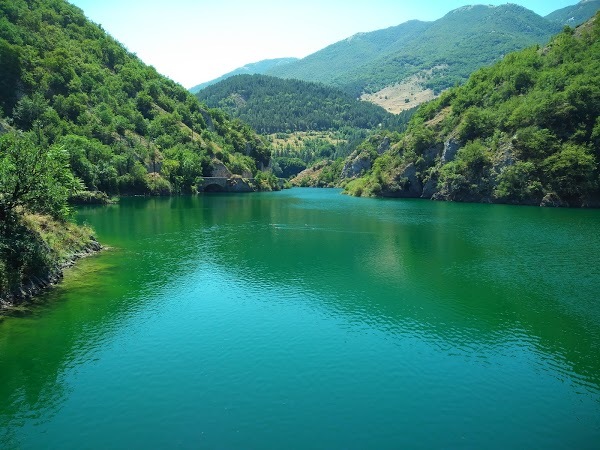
(305, 318)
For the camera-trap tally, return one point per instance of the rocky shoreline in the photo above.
(38, 285)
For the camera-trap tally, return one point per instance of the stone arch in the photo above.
(213, 187)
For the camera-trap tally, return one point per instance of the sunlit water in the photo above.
(308, 319)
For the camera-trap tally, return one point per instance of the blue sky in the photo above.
(196, 41)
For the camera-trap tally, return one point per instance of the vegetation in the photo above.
(452, 47)
(303, 121)
(35, 184)
(126, 129)
(575, 14)
(249, 69)
(84, 118)
(525, 130)
(272, 105)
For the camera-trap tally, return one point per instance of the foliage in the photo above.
(451, 47)
(113, 115)
(525, 128)
(259, 67)
(33, 178)
(289, 166)
(468, 176)
(272, 105)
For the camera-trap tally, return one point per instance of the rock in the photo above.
(553, 200)
(356, 166)
(406, 184)
(431, 153)
(384, 146)
(209, 122)
(239, 184)
(415, 188)
(219, 170)
(429, 188)
(451, 147)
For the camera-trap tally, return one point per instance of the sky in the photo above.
(196, 41)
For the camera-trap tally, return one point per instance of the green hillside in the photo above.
(338, 60)
(259, 67)
(526, 130)
(272, 105)
(116, 117)
(81, 117)
(575, 14)
(451, 47)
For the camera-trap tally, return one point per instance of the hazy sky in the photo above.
(196, 41)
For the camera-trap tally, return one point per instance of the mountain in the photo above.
(525, 130)
(127, 128)
(441, 53)
(576, 14)
(361, 50)
(403, 66)
(260, 67)
(271, 105)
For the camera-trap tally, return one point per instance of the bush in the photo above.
(571, 172)
(519, 183)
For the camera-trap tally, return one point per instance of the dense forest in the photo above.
(116, 117)
(272, 105)
(525, 130)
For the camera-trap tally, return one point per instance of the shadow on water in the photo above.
(456, 276)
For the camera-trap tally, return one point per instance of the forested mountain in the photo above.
(333, 63)
(575, 14)
(249, 69)
(453, 47)
(525, 130)
(271, 105)
(77, 88)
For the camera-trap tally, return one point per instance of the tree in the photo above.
(33, 178)
(571, 172)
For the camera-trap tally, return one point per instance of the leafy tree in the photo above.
(33, 178)
(571, 172)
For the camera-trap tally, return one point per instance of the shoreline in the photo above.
(36, 286)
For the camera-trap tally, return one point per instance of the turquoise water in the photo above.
(308, 319)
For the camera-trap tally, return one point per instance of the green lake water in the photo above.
(309, 319)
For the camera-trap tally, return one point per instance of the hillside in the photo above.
(575, 14)
(81, 117)
(260, 67)
(525, 131)
(272, 105)
(334, 62)
(426, 55)
(116, 117)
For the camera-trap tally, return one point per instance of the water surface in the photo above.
(308, 319)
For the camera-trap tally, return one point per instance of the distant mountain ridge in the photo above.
(424, 58)
(575, 14)
(259, 67)
(457, 44)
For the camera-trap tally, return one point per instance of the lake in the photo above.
(309, 319)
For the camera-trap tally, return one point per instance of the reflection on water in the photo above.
(314, 319)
